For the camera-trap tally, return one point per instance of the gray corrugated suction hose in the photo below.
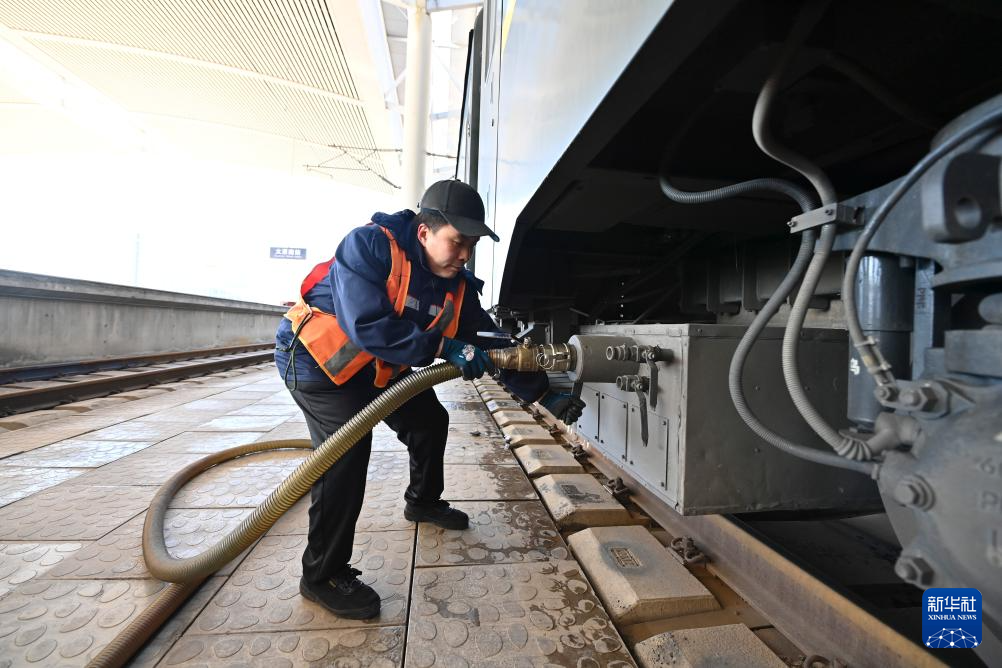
(734, 378)
(806, 203)
(846, 446)
(792, 190)
(187, 574)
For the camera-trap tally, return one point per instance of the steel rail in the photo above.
(37, 398)
(16, 374)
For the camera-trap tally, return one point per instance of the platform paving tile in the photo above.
(21, 562)
(578, 500)
(383, 510)
(730, 646)
(19, 482)
(68, 622)
(462, 394)
(535, 614)
(182, 415)
(23, 440)
(486, 483)
(478, 451)
(242, 423)
(237, 483)
(263, 593)
(146, 467)
(72, 512)
(206, 442)
(138, 430)
(119, 554)
(286, 430)
(214, 404)
(76, 453)
(386, 480)
(541, 460)
(280, 397)
(385, 439)
(636, 576)
(500, 532)
(466, 412)
(267, 409)
(377, 647)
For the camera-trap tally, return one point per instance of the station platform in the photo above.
(509, 591)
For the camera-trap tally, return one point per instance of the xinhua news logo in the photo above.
(951, 618)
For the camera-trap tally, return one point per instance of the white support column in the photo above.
(416, 102)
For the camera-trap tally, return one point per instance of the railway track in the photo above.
(25, 389)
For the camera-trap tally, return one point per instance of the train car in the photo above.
(771, 232)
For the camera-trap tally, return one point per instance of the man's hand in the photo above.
(565, 407)
(472, 361)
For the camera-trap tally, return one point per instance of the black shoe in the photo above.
(438, 513)
(344, 595)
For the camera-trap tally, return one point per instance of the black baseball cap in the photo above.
(460, 206)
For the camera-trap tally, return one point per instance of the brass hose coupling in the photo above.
(529, 357)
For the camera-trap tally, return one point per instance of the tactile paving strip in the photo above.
(23, 440)
(386, 480)
(377, 647)
(19, 482)
(510, 615)
(263, 593)
(72, 512)
(78, 453)
(164, 639)
(500, 532)
(21, 562)
(234, 484)
(385, 440)
(486, 483)
(62, 622)
(147, 467)
(120, 553)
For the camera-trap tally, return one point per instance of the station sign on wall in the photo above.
(285, 253)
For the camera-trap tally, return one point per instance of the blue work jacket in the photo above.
(355, 291)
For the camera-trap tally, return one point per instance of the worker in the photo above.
(396, 294)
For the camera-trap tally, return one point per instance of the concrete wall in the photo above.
(49, 320)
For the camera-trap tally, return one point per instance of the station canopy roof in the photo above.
(300, 85)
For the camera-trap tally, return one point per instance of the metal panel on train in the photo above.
(698, 456)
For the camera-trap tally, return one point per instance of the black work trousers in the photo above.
(422, 424)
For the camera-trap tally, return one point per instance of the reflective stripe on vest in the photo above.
(337, 355)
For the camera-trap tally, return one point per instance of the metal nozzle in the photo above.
(546, 357)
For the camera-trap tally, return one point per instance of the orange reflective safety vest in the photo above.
(338, 356)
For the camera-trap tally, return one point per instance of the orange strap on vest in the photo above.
(338, 356)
